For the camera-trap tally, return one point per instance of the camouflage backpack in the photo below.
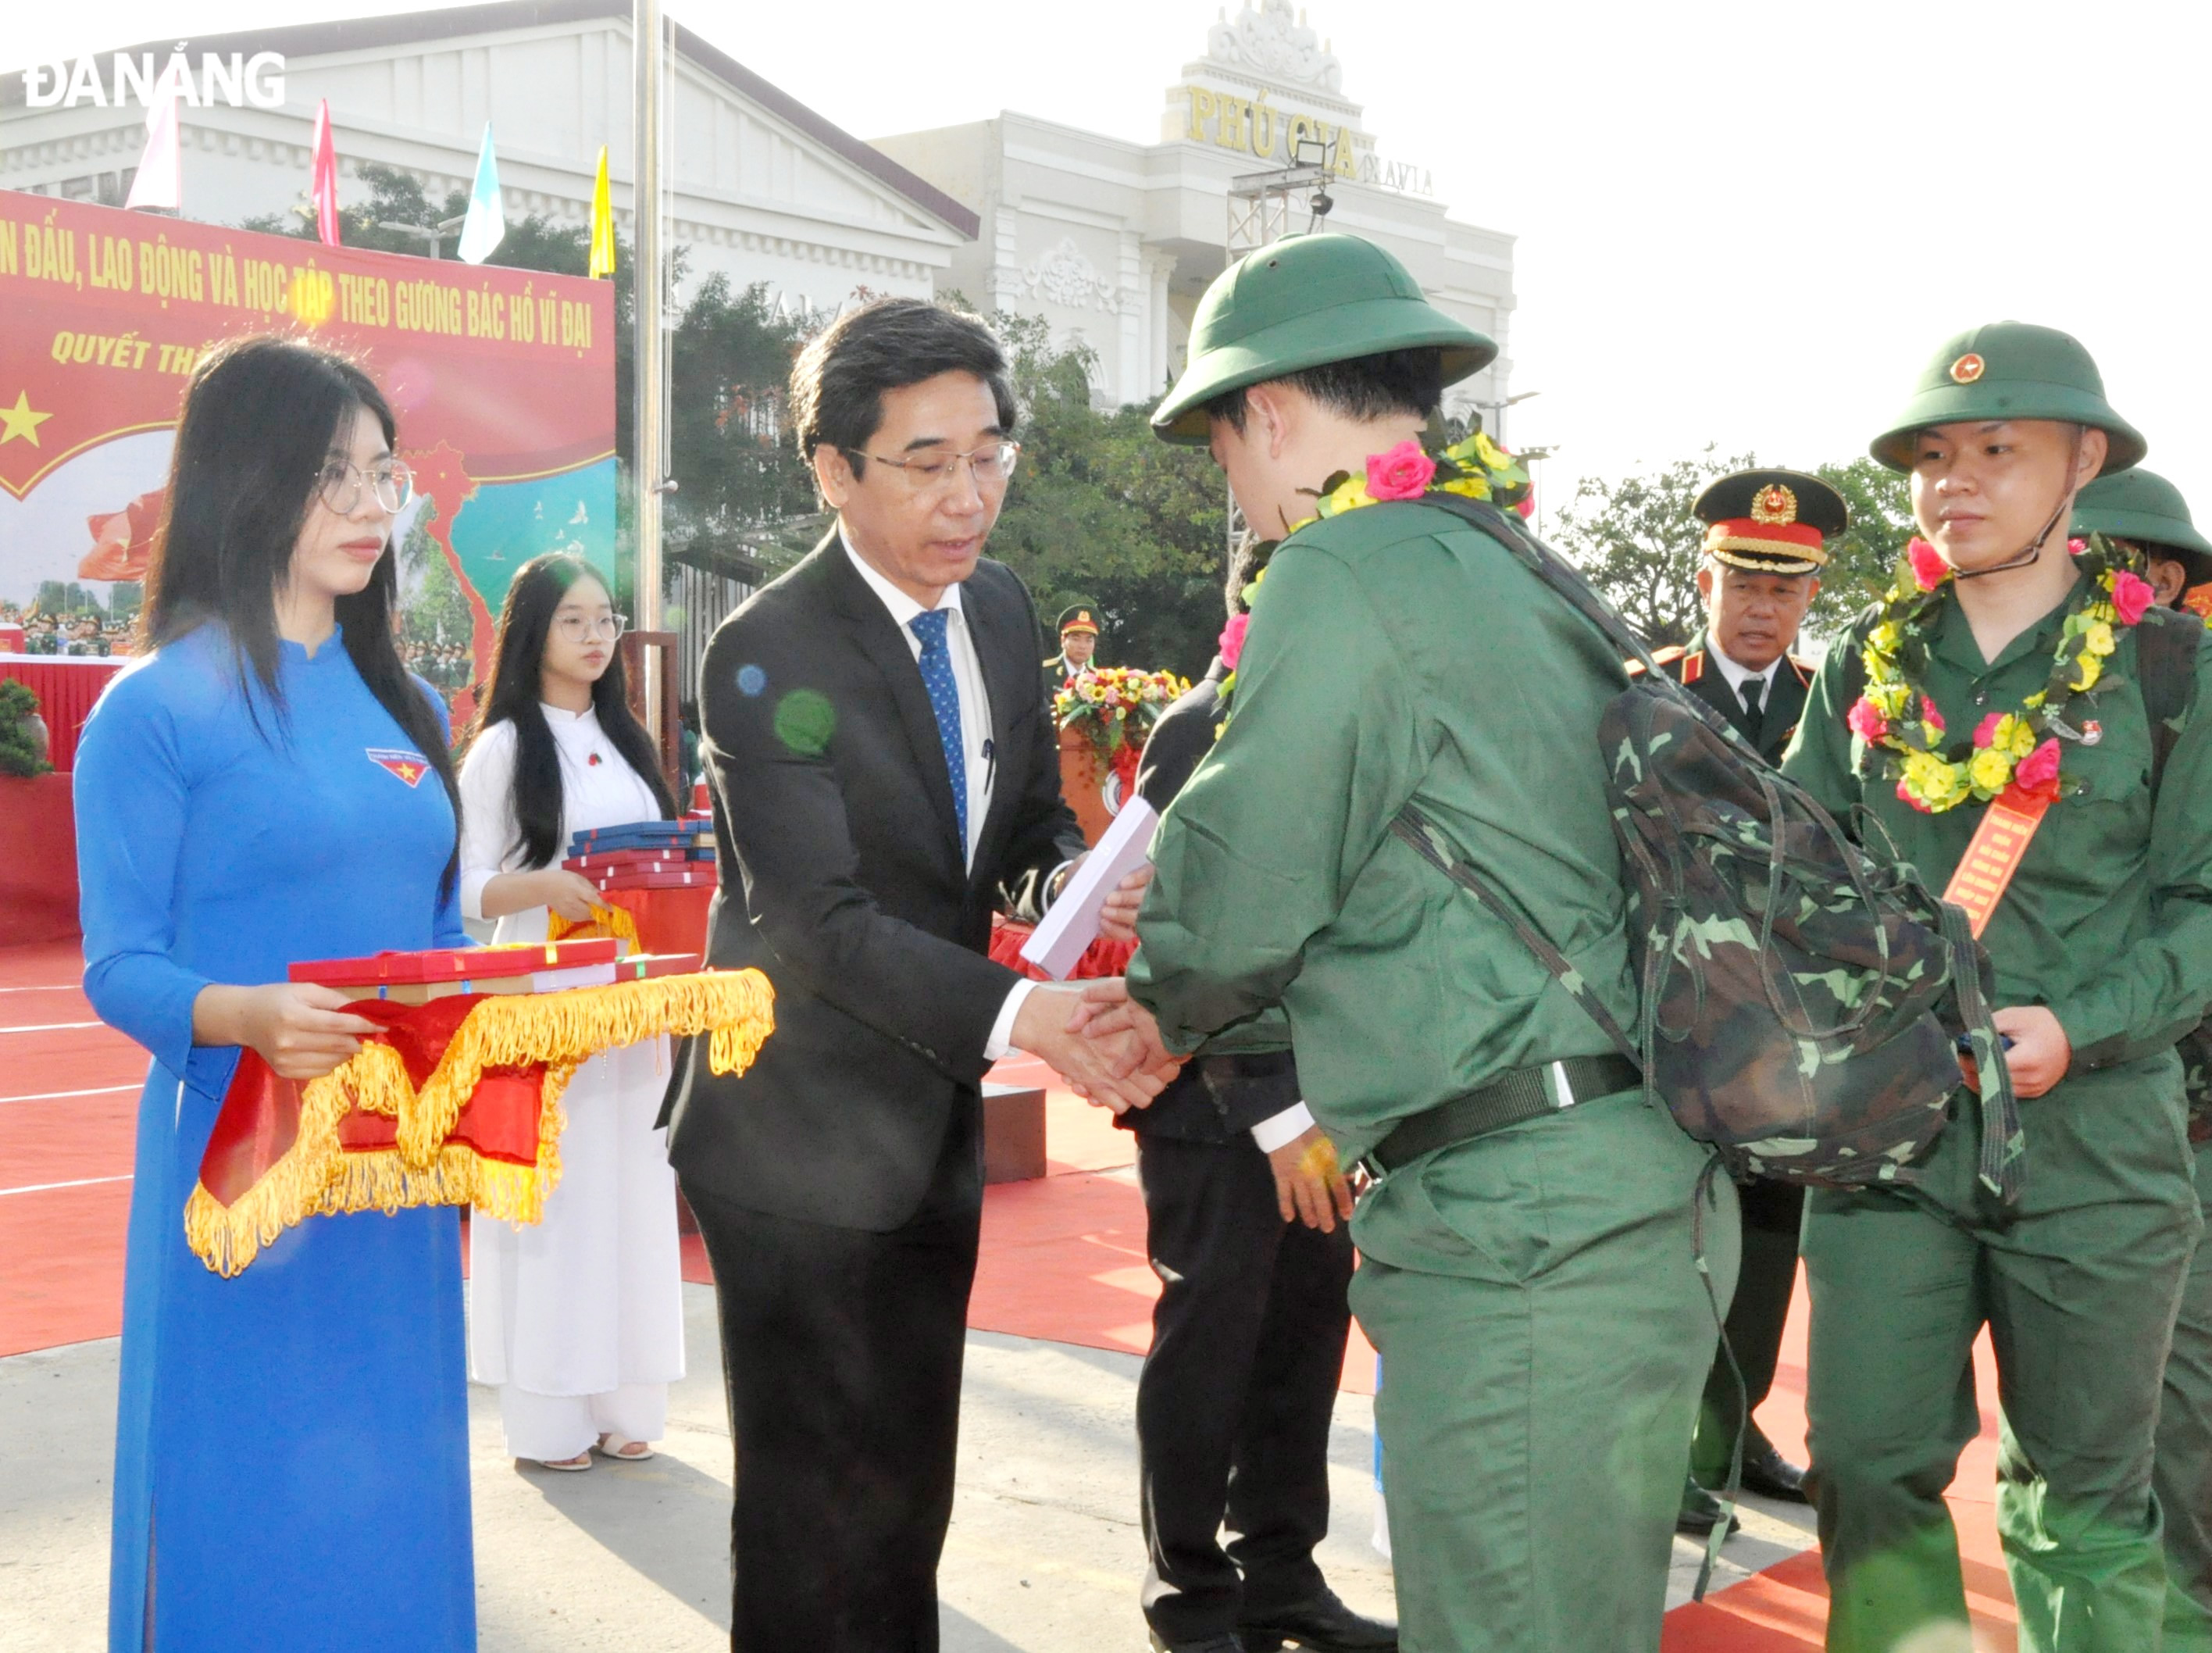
(1802, 1003)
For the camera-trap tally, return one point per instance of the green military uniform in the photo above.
(2108, 922)
(1543, 1331)
(2148, 511)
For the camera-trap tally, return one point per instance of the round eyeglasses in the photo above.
(578, 627)
(340, 483)
(935, 473)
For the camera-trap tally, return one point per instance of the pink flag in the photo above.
(161, 179)
(325, 178)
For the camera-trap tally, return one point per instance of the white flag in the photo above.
(486, 224)
(161, 179)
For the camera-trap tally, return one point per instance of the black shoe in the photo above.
(1321, 1624)
(1771, 1476)
(1700, 1510)
(1203, 1645)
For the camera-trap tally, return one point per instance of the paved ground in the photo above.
(1044, 1554)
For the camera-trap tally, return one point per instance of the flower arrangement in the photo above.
(2018, 749)
(1115, 705)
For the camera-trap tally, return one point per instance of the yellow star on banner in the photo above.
(20, 421)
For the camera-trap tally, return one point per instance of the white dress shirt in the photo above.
(975, 737)
(1737, 676)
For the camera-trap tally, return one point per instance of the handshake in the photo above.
(1101, 1041)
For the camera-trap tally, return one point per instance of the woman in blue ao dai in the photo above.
(268, 785)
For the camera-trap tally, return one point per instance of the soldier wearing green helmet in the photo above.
(1528, 1272)
(2148, 513)
(2000, 670)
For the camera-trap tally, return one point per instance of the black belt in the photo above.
(1506, 1100)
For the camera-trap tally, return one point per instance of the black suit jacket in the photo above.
(843, 880)
(1693, 668)
(1212, 1098)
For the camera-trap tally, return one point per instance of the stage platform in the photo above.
(1063, 1263)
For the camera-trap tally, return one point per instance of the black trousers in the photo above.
(841, 1350)
(1773, 1212)
(1234, 1405)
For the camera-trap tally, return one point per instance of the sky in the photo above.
(1742, 224)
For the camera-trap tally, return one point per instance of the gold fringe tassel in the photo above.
(558, 1032)
(609, 920)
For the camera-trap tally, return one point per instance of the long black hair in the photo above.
(512, 695)
(261, 417)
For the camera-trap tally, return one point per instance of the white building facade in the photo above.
(760, 187)
(1110, 241)
(1114, 242)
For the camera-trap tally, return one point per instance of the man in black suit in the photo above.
(883, 776)
(1765, 543)
(1247, 1225)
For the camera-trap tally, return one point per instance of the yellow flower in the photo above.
(1889, 698)
(1990, 771)
(2099, 636)
(1350, 495)
(1886, 636)
(1492, 455)
(2012, 737)
(1938, 784)
(1475, 487)
(2092, 669)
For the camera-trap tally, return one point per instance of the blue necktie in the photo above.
(945, 700)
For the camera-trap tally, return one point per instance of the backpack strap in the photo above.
(2166, 644)
(1428, 842)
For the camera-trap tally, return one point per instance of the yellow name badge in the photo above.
(1983, 872)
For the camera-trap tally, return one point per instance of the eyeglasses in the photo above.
(936, 473)
(340, 483)
(577, 627)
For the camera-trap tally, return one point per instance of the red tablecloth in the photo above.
(66, 688)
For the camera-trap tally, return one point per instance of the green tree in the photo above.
(1639, 541)
(1862, 559)
(1103, 511)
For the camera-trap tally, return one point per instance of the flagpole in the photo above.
(647, 44)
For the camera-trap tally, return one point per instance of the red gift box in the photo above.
(610, 860)
(674, 878)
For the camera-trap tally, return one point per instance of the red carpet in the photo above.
(1063, 1259)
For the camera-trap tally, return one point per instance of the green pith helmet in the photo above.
(1299, 303)
(2010, 370)
(2145, 507)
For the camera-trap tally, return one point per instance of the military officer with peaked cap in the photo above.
(1078, 645)
(1527, 1267)
(2101, 948)
(2147, 512)
(1767, 534)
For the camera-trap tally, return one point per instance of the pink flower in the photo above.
(1930, 716)
(1986, 730)
(1403, 473)
(1527, 507)
(1929, 570)
(2131, 595)
(2075, 546)
(1232, 639)
(1904, 793)
(1866, 720)
(2039, 768)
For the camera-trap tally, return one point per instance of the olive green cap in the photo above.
(2145, 507)
(2010, 370)
(1301, 302)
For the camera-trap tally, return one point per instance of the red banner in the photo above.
(502, 380)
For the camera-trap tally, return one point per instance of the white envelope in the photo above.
(1072, 925)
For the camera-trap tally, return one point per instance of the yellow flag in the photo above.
(603, 222)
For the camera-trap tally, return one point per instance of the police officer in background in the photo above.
(1765, 544)
(1078, 643)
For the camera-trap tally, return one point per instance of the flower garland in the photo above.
(1474, 466)
(2011, 749)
